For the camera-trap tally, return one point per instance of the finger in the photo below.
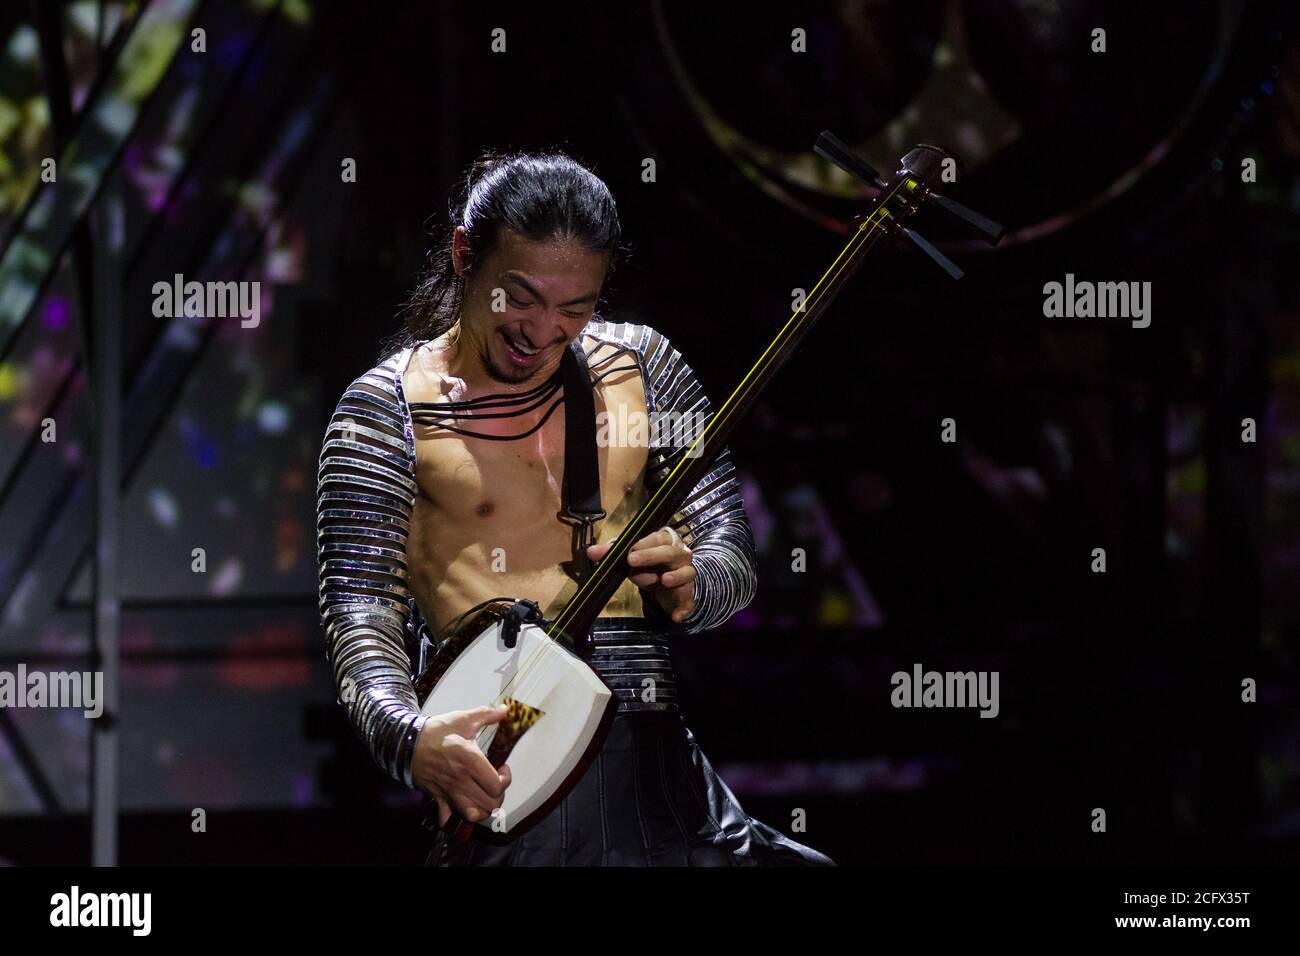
(469, 795)
(482, 716)
(469, 766)
(481, 802)
(682, 612)
(444, 812)
(469, 810)
(665, 554)
(483, 775)
(646, 579)
(658, 539)
(678, 577)
(598, 551)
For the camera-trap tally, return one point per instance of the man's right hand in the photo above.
(451, 769)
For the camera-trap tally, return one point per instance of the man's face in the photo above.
(547, 293)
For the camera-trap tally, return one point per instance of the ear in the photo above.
(461, 257)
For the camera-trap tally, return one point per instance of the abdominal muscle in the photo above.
(452, 570)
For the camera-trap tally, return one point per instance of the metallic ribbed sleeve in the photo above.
(365, 491)
(712, 521)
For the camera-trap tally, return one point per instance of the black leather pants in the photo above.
(650, 798)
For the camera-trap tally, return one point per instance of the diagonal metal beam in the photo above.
(31, 766)
(28, 261)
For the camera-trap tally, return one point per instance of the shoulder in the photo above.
(380, 386)
(664, 369)
(375, 400)
(647, 341)
(385, 375)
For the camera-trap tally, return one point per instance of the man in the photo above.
(440, 488)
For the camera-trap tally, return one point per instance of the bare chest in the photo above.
(509, 475)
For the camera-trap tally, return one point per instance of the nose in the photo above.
(548, 328)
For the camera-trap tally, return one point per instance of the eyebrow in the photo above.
(519, 280)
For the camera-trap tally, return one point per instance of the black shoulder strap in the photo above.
(581, 464)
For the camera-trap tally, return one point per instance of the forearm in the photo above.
(725, 582)
(365, 491)
(714, 526)
(711, 521)
(370, 672)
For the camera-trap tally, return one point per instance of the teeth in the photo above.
(520, 347)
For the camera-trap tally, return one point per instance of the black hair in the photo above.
(541, 196)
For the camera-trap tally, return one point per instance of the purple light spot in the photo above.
(132, 159)
(57, 312)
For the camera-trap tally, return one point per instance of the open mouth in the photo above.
(520, 351)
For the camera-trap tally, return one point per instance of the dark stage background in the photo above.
(1120, 690)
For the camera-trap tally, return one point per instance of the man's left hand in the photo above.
(663, 567)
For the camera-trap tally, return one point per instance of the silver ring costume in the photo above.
(651, 798)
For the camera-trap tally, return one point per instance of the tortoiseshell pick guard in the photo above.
(518, 719)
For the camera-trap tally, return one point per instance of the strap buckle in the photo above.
(521, 612)
(585, 528)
